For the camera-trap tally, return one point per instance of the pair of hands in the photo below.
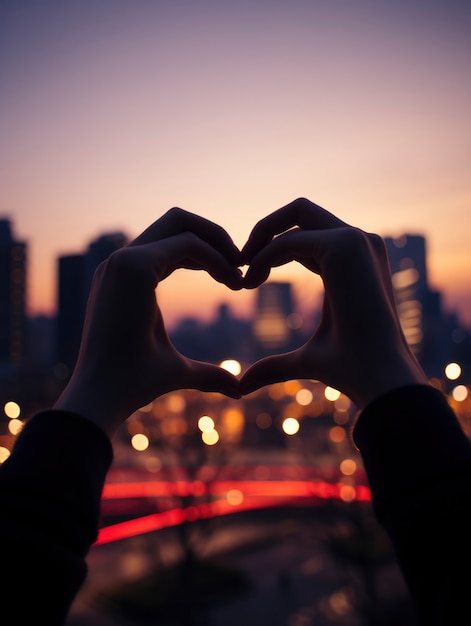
(126, 358)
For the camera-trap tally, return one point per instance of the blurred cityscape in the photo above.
(259, 508)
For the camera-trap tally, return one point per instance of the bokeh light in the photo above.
(14, 426)
(348, 467)
(12, 409)
(235, 497)
(210, 437)
(460, 393)
(4, 454)
(232, 366)
(140, 442)
(290, 426)
(206, 423)
(347, 493)
(452, 371)
(337, 434)
(304, 397)
(331, 394)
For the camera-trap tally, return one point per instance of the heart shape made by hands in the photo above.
(274, 326)
(358, 346)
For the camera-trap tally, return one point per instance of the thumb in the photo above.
(209, 377)
(272, 369)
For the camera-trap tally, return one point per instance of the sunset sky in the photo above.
(113, 111)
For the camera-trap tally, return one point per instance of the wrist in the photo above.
(392, 373)
(93, 403)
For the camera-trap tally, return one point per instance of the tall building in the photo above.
(425, 326)
(12, 296)
(407, 258)
(70, 309)
(274, 310)
(99, 250)
(75, 274)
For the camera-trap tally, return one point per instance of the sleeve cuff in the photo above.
(409, 438)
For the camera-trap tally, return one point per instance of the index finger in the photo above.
(294, 245)
(301, 212)
(176, 221)
(187, 250)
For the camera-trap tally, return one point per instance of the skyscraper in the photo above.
(271, 326)
(70, 308)
(425, 325)
(75, 274)
(12, 296)
(407, 258)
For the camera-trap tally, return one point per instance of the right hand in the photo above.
(359, 347)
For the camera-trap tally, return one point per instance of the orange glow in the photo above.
(304, 397)
(460, 393)
(15, 426)
(4, 454)
(235, 497)
(405, 278)
(233, 424)
(337, 434)
(347, 493)
(348, 467)
(176, 402)
(292, 387)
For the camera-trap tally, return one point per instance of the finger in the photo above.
(176, 221)
(301, 212)
(294, 245)
(186, 250)
(272, 369)
(209, 377)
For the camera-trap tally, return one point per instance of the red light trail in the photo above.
(252, 495)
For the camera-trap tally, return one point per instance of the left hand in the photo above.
(126, 358)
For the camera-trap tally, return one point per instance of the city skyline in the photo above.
(115, 111)
(277, 322)
(242, 304)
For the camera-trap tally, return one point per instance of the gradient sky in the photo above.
(113, 111)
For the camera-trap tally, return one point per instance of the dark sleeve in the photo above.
(418, 462)
(50, 491)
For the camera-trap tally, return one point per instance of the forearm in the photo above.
(418, 461)
(50, 489)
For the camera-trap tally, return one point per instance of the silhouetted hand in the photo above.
(126, 359)
(359, 347)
